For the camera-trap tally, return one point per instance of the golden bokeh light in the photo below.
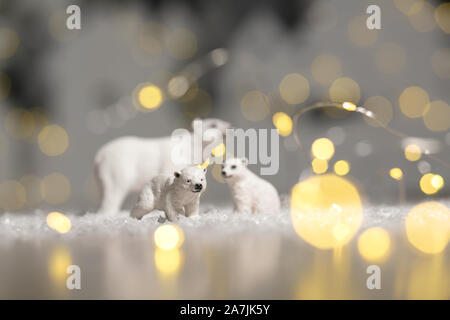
(58, 262)
(341, 167)
(431, 183)
(13, 195)
(396, 173)
(413, 101)
(437, 116)
(55, 188)
(10, 42)
(217, 173)
(428, 227)
(381, 108)
(198, 106)
(440, 63)
(149, 96)
(254, 106)
(219, 150)
(422, 20)
(442, 16)
(326, 68)
(178, 86)
(319, 166)
(53, 140)
(374, 244)
(168, 237)
(409, 7)
(59, 222)
(322, 148)
(359, 34)
(294, 88)
(413, 152)
(390, 58)
(19, 123)
(437, 181)
(349, 106)
(345, 90)
(181, 43)
(168, 262)
(5, 86)
(326, 211)
(283, 123)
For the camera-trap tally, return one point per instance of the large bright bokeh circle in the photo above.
(326, 211)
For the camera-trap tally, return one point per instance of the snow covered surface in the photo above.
(224, 255)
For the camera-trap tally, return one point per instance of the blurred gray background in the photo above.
(84, 81)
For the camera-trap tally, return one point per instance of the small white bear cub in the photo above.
(250, 193)
(177, 194)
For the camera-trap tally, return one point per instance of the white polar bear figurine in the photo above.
(250, 193)
(126, 164)
(177, 194)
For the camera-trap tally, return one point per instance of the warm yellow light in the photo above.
(168, 262)
(349, 106)
(423, 19)
(19, 123)
(204, 164)
(10, 41)
(439, 63)
(55, 188)
(413, 101)
(431, 183)
(319, 166)
(374, 244)
(359, 34)
(428, 227)
(53, 140)
(396, 173)
(326, 211)
(168, 237)
(58, 262)
(254, 106)
(442, 16)
(150, 97)
(283, 123)
(326, 68)
(381, 108)
(345, 90)
(341, 167)
(294, 88)
(218, 150)
(436, 116)
(181, 43)
(437, 182)
(413, 152)
(59, 222)
(178, 86)
(409, 7)
(323, 149)
(12, 195)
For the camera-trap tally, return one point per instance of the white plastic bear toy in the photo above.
(126, 164)
(177, 194)
(250, 193)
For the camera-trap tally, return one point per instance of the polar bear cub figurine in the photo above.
(250, 193)
(177, 194)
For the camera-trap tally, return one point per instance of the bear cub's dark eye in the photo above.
(188, 181)
(233, 167)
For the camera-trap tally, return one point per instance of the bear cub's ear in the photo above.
(244, 161)
(177, 174)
